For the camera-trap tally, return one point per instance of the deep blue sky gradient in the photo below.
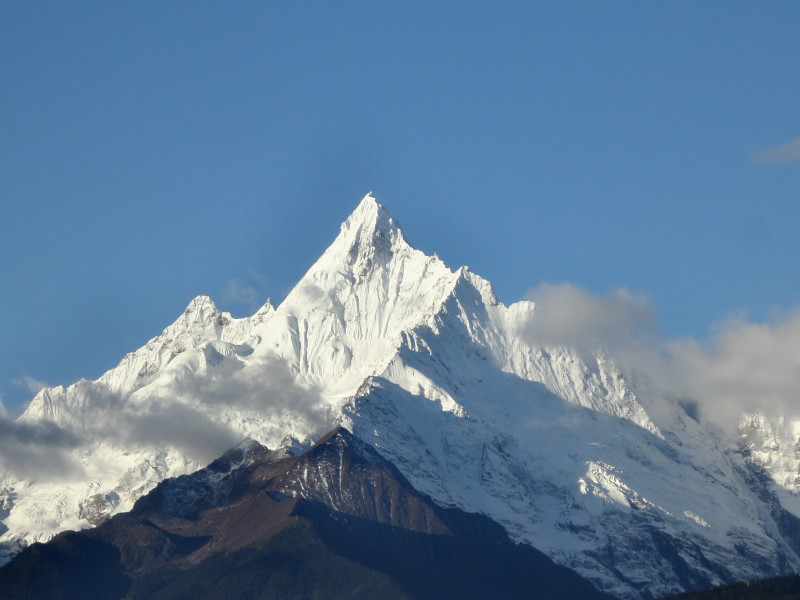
(151, 152)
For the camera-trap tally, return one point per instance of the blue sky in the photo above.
(151, 152)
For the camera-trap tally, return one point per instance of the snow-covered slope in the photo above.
(427, 365)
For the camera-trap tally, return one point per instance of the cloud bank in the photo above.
(266, 392)
(200, 414)
(34, 450)
(569, 316)
(742, 367)
(746, 367)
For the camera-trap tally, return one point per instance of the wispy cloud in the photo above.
(785, 153)
(239, 293)
(34, 386)
(260, 278)
(248, 292)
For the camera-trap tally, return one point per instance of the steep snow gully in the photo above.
(425, 364)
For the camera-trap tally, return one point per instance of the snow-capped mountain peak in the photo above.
(425, 364)
(368, 240)
(369, 217)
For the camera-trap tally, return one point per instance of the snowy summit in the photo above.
(424, 364)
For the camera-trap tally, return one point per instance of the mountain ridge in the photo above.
(228, 530)
(426, 365)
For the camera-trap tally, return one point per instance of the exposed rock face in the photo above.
(338, 521)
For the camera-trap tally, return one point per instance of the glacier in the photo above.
(600, 471)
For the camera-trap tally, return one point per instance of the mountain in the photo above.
(591, 465)
(338, 521)
(779, 588)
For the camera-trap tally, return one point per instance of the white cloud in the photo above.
(171, 423)
(746, 367)
(788, 152)
(743, 367)
(266, 388)
(569, 316)
(193, 416)
(165, 422)
(36, 450)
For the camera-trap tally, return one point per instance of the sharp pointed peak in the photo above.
(369, 236)
(370, 200)
(371, 214)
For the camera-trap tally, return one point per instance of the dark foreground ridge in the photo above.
(777, 588)
(338, 521)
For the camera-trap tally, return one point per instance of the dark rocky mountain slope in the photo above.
(776, 588)
(337, 521)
